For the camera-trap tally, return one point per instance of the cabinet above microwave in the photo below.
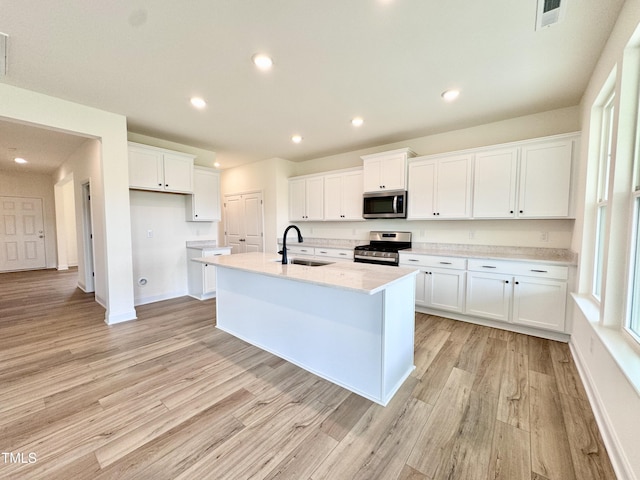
(386, 171)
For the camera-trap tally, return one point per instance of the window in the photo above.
(633, 320)
(604, 167)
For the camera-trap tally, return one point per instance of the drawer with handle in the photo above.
(334, 253)
(433, 261)
(300, 250)
(541, 270)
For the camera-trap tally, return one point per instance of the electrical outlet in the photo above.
(544, 236)
(472, 235)
(149, 233)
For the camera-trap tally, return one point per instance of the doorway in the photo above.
(244, 220)
(87, 284)
(21, 234)
(67, 246)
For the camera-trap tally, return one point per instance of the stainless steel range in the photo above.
(383, 248)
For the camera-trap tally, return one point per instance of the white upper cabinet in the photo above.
(204, 204)
(343, 195)
(494, 183)
(528, 180)
(152, 168)
(386, 170)
(306, 198)
(440, 188)
(545, 179)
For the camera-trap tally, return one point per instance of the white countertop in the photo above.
(360, 277)
(206, 245)
(541, 255)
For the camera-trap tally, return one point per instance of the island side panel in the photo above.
(334, 333)
(398, 335)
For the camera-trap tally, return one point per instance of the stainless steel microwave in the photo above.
(390, 204)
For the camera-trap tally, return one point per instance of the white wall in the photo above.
(162, 259)
(525, 233)
(69, 222)
(84, 165)
(565, 120)
(112, 222)
(270, 177)
(17, 184)
(615, 400)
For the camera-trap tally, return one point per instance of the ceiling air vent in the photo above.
(550, 12)
(3, 54)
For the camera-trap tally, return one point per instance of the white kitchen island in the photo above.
(349, 323)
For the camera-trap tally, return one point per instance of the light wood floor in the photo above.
(170, 397)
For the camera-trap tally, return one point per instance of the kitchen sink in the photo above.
(310, 263)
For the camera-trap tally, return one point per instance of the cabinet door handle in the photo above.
(413, 260)
(342, 253)
(489, 266)
(506, 281)
(445, 263)
(539, 271)
(517, 283)
(323, 251)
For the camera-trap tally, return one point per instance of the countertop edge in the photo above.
(404, 271)
(492, 256)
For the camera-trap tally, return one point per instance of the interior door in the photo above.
(21, 234)
(243, 222)
(233, 220)
(253, 222)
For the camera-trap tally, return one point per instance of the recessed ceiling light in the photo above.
(19, 160)
(357, 121)
(450, 95)
(296, 139)
(262, 61)
(216, 164)
(198, 102)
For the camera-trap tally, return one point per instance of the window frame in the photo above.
(602, 194)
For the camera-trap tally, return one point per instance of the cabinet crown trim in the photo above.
(506, 146)
(406, 151)
(160, 149)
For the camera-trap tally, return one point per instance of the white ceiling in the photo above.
(385, 60)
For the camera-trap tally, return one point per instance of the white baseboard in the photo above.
(112, 319)
(158, 298)
(618, 461)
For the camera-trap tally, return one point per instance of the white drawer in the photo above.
(216, 252)
(493, 266)
(541, 270)
(519, 268)
(300, 250)
(334, 253)
(418, 260)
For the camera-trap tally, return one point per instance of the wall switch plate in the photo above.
(149, 233)
(544, 236)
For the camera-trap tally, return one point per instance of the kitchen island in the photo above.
(349, 323)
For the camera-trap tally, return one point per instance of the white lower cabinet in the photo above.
(533, 295)
(440, 283)
(202, 277)
(320, 253)
(540, 303)
(489, 295)
(513, 293)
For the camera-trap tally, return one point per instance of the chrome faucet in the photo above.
(283, 252)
